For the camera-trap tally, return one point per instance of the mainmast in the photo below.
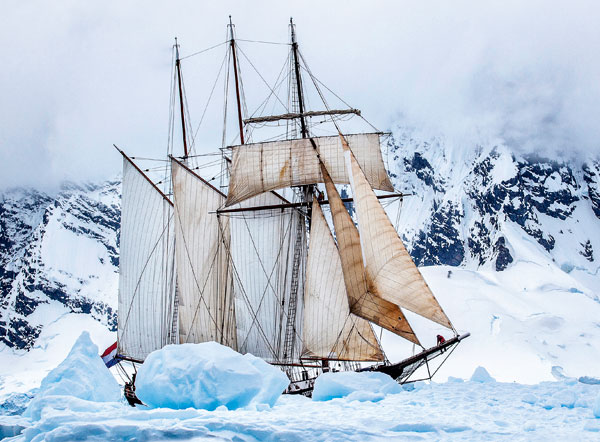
(180, 85)
(237, 83)
(306, 195)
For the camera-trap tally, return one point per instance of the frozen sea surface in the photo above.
(450, 411)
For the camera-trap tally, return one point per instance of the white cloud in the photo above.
(79, 76)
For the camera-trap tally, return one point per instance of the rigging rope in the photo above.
(203, 51)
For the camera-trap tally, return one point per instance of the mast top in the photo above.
(230, 26)
(293, 31)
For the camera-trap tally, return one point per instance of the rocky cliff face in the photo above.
(58, 254)
(487, 207)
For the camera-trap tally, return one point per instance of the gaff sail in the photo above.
(204, 283)
(262, 252)
(146, 266)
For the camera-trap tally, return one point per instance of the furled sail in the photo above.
(146, 266)
(330, 330)
(262, 253)
(204, 283)
(363, 303)
(390, 269)
(260, 167)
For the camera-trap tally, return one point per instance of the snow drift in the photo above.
(206, 376)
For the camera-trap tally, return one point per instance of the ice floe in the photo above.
(207, 376)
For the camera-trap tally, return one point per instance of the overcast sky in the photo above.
(77, 76)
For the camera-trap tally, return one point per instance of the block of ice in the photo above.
(82, 374)
(364, 386)
(207, 376)
(481, 375)
(596, 408)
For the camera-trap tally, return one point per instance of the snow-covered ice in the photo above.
(365, 386)
(79, 400)
(207, 376)
(448, 411)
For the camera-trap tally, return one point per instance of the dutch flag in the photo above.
(109, 356)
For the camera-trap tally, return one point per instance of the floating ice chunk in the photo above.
(565, 398)
(453, 380)
(530, 398)
(589, 380)
(365, 386)
(481, 375)
(559, 374)
(82, 374)
(207, 376)
(596, 408)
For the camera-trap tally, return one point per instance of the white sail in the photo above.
(146, 266)
(390, 269)
(262, 253)
(330, 330)
(258, 168)
(363, 302)
(205, 294)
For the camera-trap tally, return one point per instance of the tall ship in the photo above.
(284, 250)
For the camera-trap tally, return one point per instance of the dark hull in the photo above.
(401, 371)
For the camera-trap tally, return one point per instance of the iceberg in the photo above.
(82, 375)
(364, 386)
(596, 408)
(207, 376)
(481, 375)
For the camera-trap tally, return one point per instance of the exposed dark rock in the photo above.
(440, 243)
(503, 256)
(587, 252)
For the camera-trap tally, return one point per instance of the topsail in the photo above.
(261, 167)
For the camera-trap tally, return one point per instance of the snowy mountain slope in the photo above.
(59, 255)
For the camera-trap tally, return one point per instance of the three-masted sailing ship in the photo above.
(252, 262)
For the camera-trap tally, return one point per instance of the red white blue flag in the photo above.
(110, 356)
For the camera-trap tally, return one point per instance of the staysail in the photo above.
(146, 266)
(390, 269)
(363, 302)
(204, 283)
(262, 252)
(258, 168)
(330, 330)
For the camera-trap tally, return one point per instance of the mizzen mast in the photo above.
(180, 87)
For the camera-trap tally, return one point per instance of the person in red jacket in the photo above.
(440, 340)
